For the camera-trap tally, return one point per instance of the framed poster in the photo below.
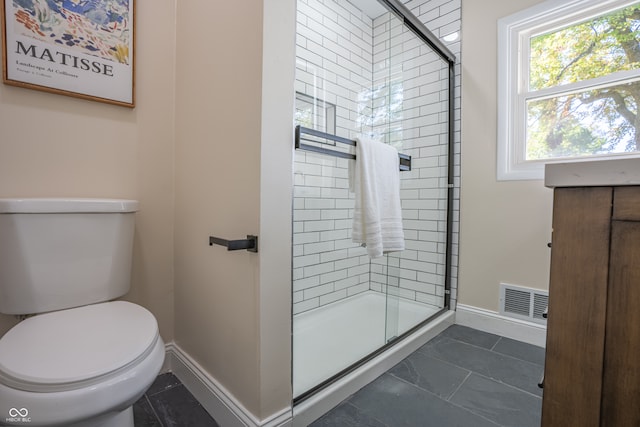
(81, 48)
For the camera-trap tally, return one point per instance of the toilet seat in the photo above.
(75, 348)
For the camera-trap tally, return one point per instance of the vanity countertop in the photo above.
(593, 173)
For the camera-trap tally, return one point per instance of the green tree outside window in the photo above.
(592, 120)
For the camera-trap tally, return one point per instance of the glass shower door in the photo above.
(367, 75)
(414, 81)
(387, 124)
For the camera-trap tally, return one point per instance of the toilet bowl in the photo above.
(81, 358)
(83, 366)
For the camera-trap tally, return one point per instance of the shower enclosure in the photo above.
(366, 67)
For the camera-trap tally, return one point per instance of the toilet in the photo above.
(79, 357)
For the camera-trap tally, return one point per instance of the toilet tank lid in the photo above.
(67, 205)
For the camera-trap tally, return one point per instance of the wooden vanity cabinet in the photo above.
(592, 366)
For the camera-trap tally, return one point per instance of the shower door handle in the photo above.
(250, 243)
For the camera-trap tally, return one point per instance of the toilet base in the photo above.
(112, 419)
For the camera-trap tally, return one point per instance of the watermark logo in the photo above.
(22, 412)
(18, 416)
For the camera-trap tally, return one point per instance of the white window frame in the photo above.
(514, 33)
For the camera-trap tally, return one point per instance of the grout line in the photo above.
(171, 387)
(485, 376)
(460, 407)
(458, 388)
(510, 356)
(495, 345)
(348, 402)
(468, 343)
(153, 409)
(162, 420)
(436, 395)
(508, 385)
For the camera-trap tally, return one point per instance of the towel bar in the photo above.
(404, 159)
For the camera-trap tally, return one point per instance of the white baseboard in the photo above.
(495, 323)
(218, 401)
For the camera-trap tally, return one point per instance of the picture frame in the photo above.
(79, 48)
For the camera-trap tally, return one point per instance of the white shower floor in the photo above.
(328, 339)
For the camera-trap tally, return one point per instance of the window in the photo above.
(569, 84)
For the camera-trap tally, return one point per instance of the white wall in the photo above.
(58, 146)
(276, 193)
(217, 158)
(504, 226)
(233, 178)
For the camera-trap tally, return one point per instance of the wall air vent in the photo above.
(523, 303)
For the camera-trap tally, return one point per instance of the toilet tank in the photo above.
(63, 253)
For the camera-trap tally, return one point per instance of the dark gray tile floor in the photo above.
(461, 378)
(168, 403)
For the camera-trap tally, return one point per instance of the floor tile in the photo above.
(498, 402)
(461, 378)
(347, 415)
(433, 375)
(163, 382)
(143, 415)
(471, 336)
(520, 350)
(178, 407)
(399, 404)
(518, 373)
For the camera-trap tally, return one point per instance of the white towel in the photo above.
(377, 220)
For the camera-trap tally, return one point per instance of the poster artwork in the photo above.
(80, 48)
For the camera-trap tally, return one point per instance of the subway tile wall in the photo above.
(414, 80)
(334, 64)
(385, 82)
(443, 18)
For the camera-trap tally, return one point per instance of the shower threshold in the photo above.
(330, 338)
